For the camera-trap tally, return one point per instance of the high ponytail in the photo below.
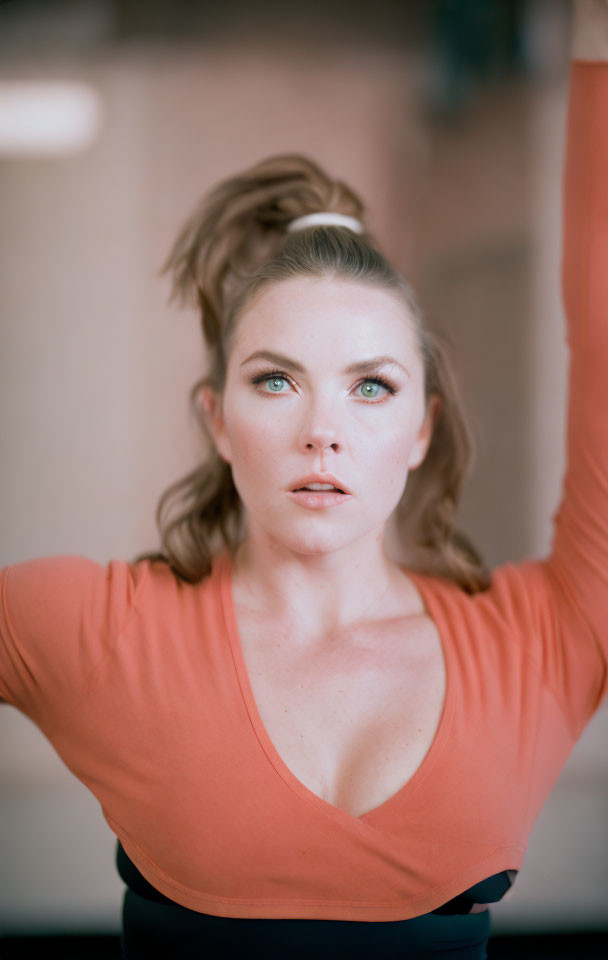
(241, 225)
(235, 243)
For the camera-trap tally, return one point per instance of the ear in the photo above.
(212, 407)
(425, 433)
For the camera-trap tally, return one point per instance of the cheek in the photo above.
(396, 433)
(254, 435)
(390, 454)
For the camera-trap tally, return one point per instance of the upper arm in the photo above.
(58, 618)
(558, 640)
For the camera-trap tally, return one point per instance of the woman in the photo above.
(300, 744)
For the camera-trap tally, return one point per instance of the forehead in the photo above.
(328, 315)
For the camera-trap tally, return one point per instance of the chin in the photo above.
(311, 543)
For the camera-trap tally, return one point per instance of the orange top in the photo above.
(140, 684)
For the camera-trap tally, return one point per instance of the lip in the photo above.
(318, 501)
(319, 478)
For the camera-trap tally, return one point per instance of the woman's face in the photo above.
(308, 413)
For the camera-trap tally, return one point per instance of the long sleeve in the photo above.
(579, 557)
(559, 607)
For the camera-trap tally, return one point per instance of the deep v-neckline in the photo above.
(223, 567)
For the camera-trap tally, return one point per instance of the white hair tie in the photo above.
(325, 219)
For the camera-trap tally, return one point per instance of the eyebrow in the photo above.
(359, 366)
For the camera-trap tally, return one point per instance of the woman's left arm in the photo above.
(578, 564)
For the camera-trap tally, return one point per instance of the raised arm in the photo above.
(578, 564)
(558, 607)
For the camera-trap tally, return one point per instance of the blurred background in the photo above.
(115, 116)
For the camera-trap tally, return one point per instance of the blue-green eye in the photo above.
(368, 385)
(274, 379)
(272, 383)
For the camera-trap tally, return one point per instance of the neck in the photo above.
(320, 595)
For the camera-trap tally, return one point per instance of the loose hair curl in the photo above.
(233, 245)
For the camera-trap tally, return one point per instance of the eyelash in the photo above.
(258, 378)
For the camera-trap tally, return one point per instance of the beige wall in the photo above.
(95, 369)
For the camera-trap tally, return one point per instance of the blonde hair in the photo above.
(233, 245)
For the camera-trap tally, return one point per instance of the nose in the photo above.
(322, 446)
(320, 436)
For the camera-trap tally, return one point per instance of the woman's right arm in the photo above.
(59, 616)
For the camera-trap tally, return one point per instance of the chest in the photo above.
(354, 719)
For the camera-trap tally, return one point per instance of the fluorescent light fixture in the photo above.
(51, 118)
